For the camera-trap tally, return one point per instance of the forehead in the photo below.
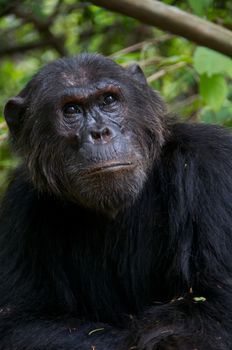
(83, 70)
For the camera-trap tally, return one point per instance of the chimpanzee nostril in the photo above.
(106, 132)
(103, 135)
(96, 135)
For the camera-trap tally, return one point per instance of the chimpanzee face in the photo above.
(88, 130)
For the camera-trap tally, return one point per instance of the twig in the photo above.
(165, 70)
(175, 107)
(26, 47)
(3, 125)
(149, 61)
(143, 63)
(3, 138)
(140, 45)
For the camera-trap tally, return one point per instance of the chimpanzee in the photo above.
(116, 228)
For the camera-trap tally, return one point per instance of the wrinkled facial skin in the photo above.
(88, 130)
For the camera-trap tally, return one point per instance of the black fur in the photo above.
(158, 275)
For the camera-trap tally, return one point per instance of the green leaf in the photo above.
(210, 62)
(199, 299)
(213, 90)
(200, 6)
(197, 6)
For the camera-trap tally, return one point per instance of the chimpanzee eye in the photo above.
(109, 99)
(71, 109)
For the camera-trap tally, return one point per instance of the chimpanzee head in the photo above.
(88, 130)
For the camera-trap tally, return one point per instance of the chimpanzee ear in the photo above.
(136, 72)
(13, 113)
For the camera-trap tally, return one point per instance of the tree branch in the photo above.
(176, 21)
(24, 47)
(43, 28)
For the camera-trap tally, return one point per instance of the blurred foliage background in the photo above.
(194, 81)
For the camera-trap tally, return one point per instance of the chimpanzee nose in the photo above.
(101, 135)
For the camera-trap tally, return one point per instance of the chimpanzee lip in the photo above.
(110, 166)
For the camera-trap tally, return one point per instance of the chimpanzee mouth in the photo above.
(110, 167)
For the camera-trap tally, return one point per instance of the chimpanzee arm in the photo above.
(198, 180)
(25, 333)
(187, 324)
(22, 325)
